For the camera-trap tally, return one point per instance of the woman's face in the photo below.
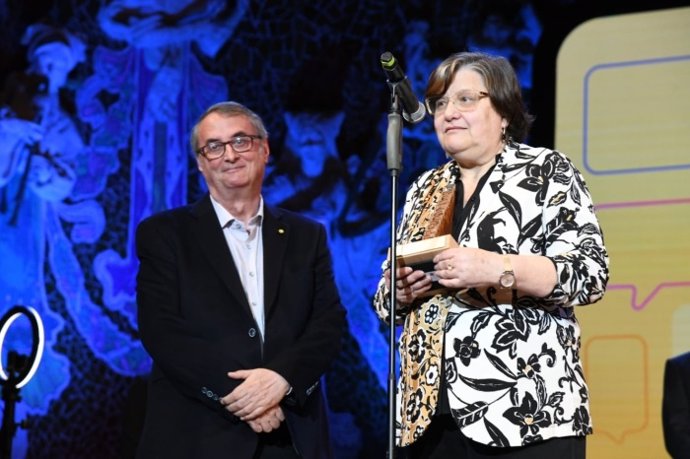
(472, 136)
(52, 60)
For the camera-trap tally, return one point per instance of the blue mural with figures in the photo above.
(97, 101)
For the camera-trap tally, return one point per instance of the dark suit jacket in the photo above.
(195, 321)
(676, 406)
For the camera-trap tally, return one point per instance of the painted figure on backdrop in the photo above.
(167, 89)
(40, 146)
(512, 34)
(310, 175)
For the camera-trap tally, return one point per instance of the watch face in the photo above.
(507, 280)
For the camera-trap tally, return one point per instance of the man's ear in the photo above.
(267, 154)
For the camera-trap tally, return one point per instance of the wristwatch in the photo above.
(507, 279)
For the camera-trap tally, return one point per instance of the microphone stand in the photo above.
(393, 160)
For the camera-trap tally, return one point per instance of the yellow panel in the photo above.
(623, 117)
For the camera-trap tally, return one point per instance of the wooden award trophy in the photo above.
(437, 220)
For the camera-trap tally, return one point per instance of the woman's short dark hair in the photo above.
(501, 83)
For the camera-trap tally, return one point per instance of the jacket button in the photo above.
(252, 332)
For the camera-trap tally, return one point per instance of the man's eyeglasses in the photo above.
(463, 100)
(239, 144)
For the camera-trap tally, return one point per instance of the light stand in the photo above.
(20, 369)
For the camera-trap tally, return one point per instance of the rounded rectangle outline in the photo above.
(585, 128)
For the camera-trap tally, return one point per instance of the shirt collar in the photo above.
(225, 218)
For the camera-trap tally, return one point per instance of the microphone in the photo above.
(413, 109)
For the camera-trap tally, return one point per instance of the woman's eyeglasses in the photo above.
(463, 100)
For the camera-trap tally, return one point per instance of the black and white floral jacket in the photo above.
(512, 361)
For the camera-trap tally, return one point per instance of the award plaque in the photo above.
(437, 221)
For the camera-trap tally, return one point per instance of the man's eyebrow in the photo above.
(236, 134)
(239, 133)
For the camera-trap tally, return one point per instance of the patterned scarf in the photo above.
(421, 342)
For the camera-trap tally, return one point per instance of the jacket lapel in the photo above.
(210, 237)
(275, 236)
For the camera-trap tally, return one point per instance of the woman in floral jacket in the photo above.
(490, 367)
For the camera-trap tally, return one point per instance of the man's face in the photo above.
(232, 172)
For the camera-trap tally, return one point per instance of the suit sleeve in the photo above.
(309, 356)
(676, 408)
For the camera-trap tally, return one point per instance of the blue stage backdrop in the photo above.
(98, 99)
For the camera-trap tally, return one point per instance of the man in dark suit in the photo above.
(676, 406)
(238, 308)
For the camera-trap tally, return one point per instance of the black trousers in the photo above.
(443, 440)
(276, 445)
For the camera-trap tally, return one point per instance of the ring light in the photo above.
(38, 341)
